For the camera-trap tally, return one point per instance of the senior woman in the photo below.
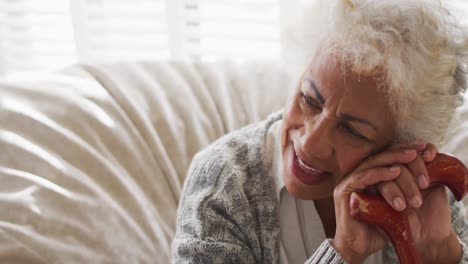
(376, 98)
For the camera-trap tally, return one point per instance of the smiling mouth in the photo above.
(307, 168)
(304, 173)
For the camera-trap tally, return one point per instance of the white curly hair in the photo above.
(418, 44)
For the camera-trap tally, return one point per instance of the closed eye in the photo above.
(310, 102)
(353, 132)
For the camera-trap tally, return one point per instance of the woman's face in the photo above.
(333, 120)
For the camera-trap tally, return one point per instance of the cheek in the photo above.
(350, 158)
(292, 116)
(290, 105)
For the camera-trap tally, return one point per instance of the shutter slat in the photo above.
(232, 28)
(36, 35)
(50, 34)
(122, 28)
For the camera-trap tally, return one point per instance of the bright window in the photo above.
(46, 35)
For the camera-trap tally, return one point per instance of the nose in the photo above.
(317, 140)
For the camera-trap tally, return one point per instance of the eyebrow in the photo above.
(345, 117)
(315, 89)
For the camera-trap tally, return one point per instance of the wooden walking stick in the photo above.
(373, 209)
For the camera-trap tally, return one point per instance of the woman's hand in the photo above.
(435, 245)
(431, 228)
(405, 190)
(355, 241)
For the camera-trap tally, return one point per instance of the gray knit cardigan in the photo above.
(228, 212)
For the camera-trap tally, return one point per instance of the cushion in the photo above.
(93, 158)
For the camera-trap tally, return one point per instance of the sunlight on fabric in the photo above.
(24, 197)
(85, 104)
(41, 181)
(96, 111)
(21, 142)
(86, 87)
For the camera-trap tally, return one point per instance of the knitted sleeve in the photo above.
(228, 212)
(212, 219)
(326, 253)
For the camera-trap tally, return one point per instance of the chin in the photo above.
(303, 192)
(313, 190)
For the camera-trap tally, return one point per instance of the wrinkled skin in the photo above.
(338, 124)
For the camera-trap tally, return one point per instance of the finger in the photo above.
(389, 157)
(409, 188)
(430, 152)
(418, 170)
(392, 194)
(363, 179)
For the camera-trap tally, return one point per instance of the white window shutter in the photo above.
(3, 66)
(110, 30)
(191, 29)
(175, 23)
(36, 36)
(242, 29)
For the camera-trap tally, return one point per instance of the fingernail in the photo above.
(394, 169)
(399, 204)
(422, 181)
(415, 201)
(409, 151)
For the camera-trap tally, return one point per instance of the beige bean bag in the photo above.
(93, 159)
